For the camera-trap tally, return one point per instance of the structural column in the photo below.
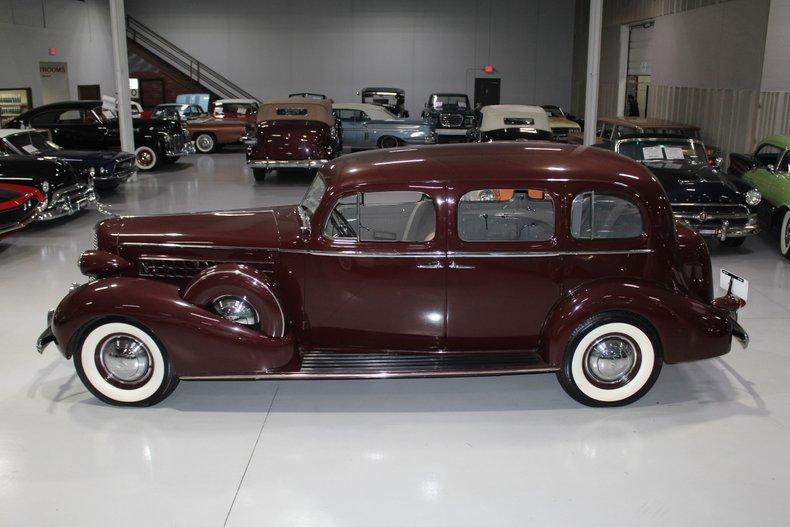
(121, 61)
(593, 67)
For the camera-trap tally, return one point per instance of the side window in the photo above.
(597, 215)
(768, 155)
(363, 116)
(70, 117)
(44, 118)
(625, 130)
(391, 216)
(606, 131)
(505, 215)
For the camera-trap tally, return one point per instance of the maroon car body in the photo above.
(298, 132)
(19, 205)
(331, 295)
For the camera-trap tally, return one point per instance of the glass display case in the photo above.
(14, 101)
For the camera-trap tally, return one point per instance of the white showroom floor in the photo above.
(709, 445)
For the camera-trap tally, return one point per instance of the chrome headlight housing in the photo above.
(753, 197)
(45, 187)
(235, 309)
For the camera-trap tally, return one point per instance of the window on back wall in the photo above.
(597, 215)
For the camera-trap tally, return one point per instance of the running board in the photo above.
(334, 365)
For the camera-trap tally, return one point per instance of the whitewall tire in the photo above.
(123, 364)
(205, 143)
(784, 235)
(611, 360)
(146, 158)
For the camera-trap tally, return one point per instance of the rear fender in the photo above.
(198, 341)
(686, 328)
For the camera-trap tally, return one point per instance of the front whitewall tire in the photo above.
(91, 375)
(784, 234)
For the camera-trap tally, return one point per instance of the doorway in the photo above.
(54, 82)
(639, 69)
(486, 91)
(89, 92)
(152, 92)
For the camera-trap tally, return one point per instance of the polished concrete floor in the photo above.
(707, 446)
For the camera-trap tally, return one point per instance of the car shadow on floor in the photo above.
(703, 384)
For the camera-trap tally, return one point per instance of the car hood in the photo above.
(28, 170)
(244, 230)
(686, 182)
(87, 157)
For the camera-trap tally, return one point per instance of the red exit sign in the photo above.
(53, 52)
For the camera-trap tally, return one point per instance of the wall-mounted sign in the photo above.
(54, 81)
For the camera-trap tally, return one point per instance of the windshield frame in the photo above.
(308, 206)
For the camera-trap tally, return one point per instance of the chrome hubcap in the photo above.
(204, 142)
(144, 158)
(125, 358)
(611, 359)
(236, 310)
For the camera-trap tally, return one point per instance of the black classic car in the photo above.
(65, 190)
(88, 125)
(451, 114)
(107, 169)
(705, 198)
(393, 99)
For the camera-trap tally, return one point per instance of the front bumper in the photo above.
(46, 337)
(68, 201)
(271, 164)
(740, 334)
(186, 150)
(730, 231)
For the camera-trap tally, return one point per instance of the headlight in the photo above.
(103, 170)
(235, 309)
(45, 187)
(753, 197)
(92, 172)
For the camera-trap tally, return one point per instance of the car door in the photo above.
(375, 273)
(504, 272)
(353, 129)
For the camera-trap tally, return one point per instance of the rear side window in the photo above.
(390, 216)
(505, 215)
(597, 215)
(291, 111)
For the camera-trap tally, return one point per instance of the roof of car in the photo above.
(499, 161)
(68, 104)
(646, 122)
(375, 111)
(779, 141)
(384, 89)
(494, 116)
(317, 110)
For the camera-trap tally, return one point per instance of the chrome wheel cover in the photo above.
(145, 158)
(205, 143)
(236, 310)
(125, 358)
(611, 360)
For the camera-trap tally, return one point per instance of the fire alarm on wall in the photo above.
(53, 52)
(488, 68)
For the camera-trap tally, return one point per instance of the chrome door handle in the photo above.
(454, 265)
(433, 265)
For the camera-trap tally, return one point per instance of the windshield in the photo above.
(460, 101)
(105, 113)
(554, 112)
(168, 112)
(658, 150)
(382, 98)
(32, 143)
(313, 196)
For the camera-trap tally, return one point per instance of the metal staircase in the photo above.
(182, 61)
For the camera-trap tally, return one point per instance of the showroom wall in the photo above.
(707, 62)
(79, 31)
(276, 47)
(774, 113)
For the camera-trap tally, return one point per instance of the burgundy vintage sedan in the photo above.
(478, 259)
(298, 132)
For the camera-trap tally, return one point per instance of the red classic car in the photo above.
(19, 205)
(237, 109)
(478, 259)
(297, 132)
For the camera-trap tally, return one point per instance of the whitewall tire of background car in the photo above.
(124, 365)
(146, 158)
(205, 143)
(784, 235)
(611, 360)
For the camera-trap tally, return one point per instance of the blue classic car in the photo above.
(367, 126)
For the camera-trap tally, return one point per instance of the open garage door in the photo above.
(640, 53)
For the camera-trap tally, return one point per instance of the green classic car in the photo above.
(767, 170)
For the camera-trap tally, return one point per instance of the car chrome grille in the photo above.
(701, 215)
(451, 120)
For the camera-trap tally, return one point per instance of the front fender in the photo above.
(198, 341)
(687, 329)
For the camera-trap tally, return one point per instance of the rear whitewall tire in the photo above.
(153, 387)
(205, 143)
(577, 379)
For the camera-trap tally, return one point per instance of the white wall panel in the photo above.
(275, 47)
